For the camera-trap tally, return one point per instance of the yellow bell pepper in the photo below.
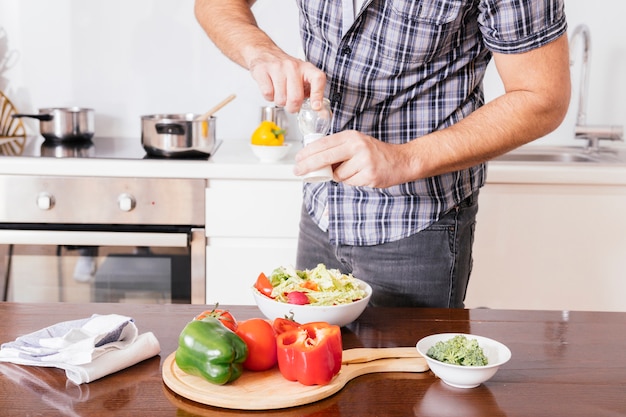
(269, 134)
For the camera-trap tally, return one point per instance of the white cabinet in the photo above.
(251, 227)
(548, 236)
(550, 246)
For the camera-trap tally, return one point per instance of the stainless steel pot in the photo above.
(177, 135)
(61, 124)
(277, 115)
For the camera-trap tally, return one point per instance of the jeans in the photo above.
(428, 269)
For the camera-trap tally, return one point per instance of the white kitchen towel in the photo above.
(87, 349)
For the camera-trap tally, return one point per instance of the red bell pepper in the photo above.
(310, 354)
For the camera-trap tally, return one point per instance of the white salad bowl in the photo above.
(340, 315)
(465, 376)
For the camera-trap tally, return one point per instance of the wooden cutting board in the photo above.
(270, 390)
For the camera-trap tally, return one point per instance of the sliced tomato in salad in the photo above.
(263, 285)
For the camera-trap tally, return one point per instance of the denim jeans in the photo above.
(428, 269)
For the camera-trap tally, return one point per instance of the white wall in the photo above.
(130, 58)
(606, 101)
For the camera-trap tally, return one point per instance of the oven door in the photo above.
(140, 265)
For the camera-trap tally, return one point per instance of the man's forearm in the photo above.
(498, 127)
(281, 78)
(232, 27)
(537, 95)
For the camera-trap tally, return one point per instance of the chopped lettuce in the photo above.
(458, 351)
(323, 286)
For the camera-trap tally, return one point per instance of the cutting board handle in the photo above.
(360, 355)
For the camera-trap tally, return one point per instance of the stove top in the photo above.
(100, 148)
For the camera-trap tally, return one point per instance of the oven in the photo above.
(101, 239)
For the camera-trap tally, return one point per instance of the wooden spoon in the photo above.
(221, 104)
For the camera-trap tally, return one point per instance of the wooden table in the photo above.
(564, 364)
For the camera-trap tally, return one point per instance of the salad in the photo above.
(458, 351)
(318, 287)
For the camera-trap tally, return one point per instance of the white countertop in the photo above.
(576, 173)
(544, 173)
(235, 160)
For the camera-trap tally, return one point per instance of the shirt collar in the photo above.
(349, 13)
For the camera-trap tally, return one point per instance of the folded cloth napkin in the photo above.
(87, 349)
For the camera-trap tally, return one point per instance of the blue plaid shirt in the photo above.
(398, 70)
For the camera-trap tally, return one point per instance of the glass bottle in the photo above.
(313, 125)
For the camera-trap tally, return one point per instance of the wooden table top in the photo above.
(563, 364)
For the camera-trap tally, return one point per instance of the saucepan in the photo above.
(177, 135)
(64, 124)
(181, 135)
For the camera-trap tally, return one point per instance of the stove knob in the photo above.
(126, 202)
(45, 201)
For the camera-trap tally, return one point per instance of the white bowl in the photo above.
(268, 153)
(340, 315)
(465, 376)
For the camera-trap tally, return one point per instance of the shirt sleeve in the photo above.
(517, 26)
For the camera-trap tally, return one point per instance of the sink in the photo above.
(563, 155)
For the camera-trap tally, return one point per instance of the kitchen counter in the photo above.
(571, 208)
(235, 160)
(563, 364)
(580, 173)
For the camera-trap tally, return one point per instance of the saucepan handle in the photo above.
(41, 117)
(170, 129)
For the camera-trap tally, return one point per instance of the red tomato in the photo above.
(259, 336)
(282, 325)
(263, 285)
(224, 316)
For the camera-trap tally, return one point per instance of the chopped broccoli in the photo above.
(458, 351)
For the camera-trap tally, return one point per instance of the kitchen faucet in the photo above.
(593, 134)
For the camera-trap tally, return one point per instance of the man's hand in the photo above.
(286, 80)
(283, 79)
(357, 159)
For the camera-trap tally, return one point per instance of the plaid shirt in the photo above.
(401, 69)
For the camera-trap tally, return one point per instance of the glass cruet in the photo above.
(314, 124)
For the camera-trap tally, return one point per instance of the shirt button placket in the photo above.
(344, 52)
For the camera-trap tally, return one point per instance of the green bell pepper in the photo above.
(206, 348)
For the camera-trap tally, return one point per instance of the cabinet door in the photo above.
(555, 247)
(250, 208)
(233, 264)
